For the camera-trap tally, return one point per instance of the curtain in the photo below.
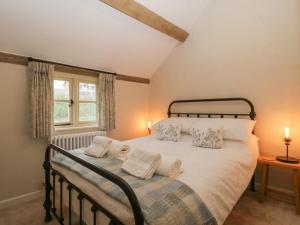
(41, 94)
(106, 101)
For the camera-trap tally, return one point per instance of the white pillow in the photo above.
(168, 132)
(186, 123)
(233, 129)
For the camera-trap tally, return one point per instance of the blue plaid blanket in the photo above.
(164, 201)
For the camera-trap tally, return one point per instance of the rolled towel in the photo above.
(99, 147)
(141, 164)
(118, 149)
(170, 168)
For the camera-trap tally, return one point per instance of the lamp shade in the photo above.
(286, 131)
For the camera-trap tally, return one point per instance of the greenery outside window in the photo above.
(75, 100)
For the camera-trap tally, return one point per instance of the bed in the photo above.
(218, 177)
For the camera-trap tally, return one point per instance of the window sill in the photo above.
(73, 130)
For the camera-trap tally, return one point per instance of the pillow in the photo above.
(207, 137)
(186, 123)
(169, 132)
(233, 129)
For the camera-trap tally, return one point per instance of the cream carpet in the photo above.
(248, 211)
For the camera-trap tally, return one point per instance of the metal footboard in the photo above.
(50, 207)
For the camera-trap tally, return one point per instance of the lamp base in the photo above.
(287, 159)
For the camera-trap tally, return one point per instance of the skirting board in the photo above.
(284, 195)
(276, 189)
(20, 199)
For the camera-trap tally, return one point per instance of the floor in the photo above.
(248, 211)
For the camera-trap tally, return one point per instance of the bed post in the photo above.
(252, 116)
(252, 188)
(47, 202)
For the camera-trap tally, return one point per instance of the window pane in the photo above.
(87, 92)
(87, 112)
(61, 90)
(61, 112)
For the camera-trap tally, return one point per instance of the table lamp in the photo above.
(149, 126)
(287, 141)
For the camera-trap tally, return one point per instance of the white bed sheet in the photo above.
(219, 177)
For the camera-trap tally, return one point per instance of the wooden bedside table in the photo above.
(266, 161)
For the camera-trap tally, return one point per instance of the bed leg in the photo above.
(112, 223)
(252, 188)
(47, 202)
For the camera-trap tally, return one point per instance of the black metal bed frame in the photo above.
(50, 206)
(251, 114)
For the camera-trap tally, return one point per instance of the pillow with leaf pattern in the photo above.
(169, 132)
(207, 137)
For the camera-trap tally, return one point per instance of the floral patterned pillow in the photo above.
(169, 132)
(207, 138)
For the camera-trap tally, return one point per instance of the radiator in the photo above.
(75, 141)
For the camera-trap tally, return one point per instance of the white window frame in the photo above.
(74, 81)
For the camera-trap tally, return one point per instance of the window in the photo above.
(75, 101)
(87, 102)
(62, 102)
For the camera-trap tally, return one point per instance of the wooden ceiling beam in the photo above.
(148, 17)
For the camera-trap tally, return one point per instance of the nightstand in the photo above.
(266, 162)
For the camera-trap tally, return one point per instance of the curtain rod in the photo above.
(23, 60)
(76, 67)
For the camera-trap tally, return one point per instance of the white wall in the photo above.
(21, 156)
(246, 48)
(132, 110)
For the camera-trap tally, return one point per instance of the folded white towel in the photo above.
(118, 149)
(102, 140)
(170, 168)
(99, 147)
(141, 164)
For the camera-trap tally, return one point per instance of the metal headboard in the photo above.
(251, 114)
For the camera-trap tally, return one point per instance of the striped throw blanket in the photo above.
(164, 201)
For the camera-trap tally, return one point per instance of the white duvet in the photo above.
(218, 176)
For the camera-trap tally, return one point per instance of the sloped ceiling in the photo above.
(91, 34)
